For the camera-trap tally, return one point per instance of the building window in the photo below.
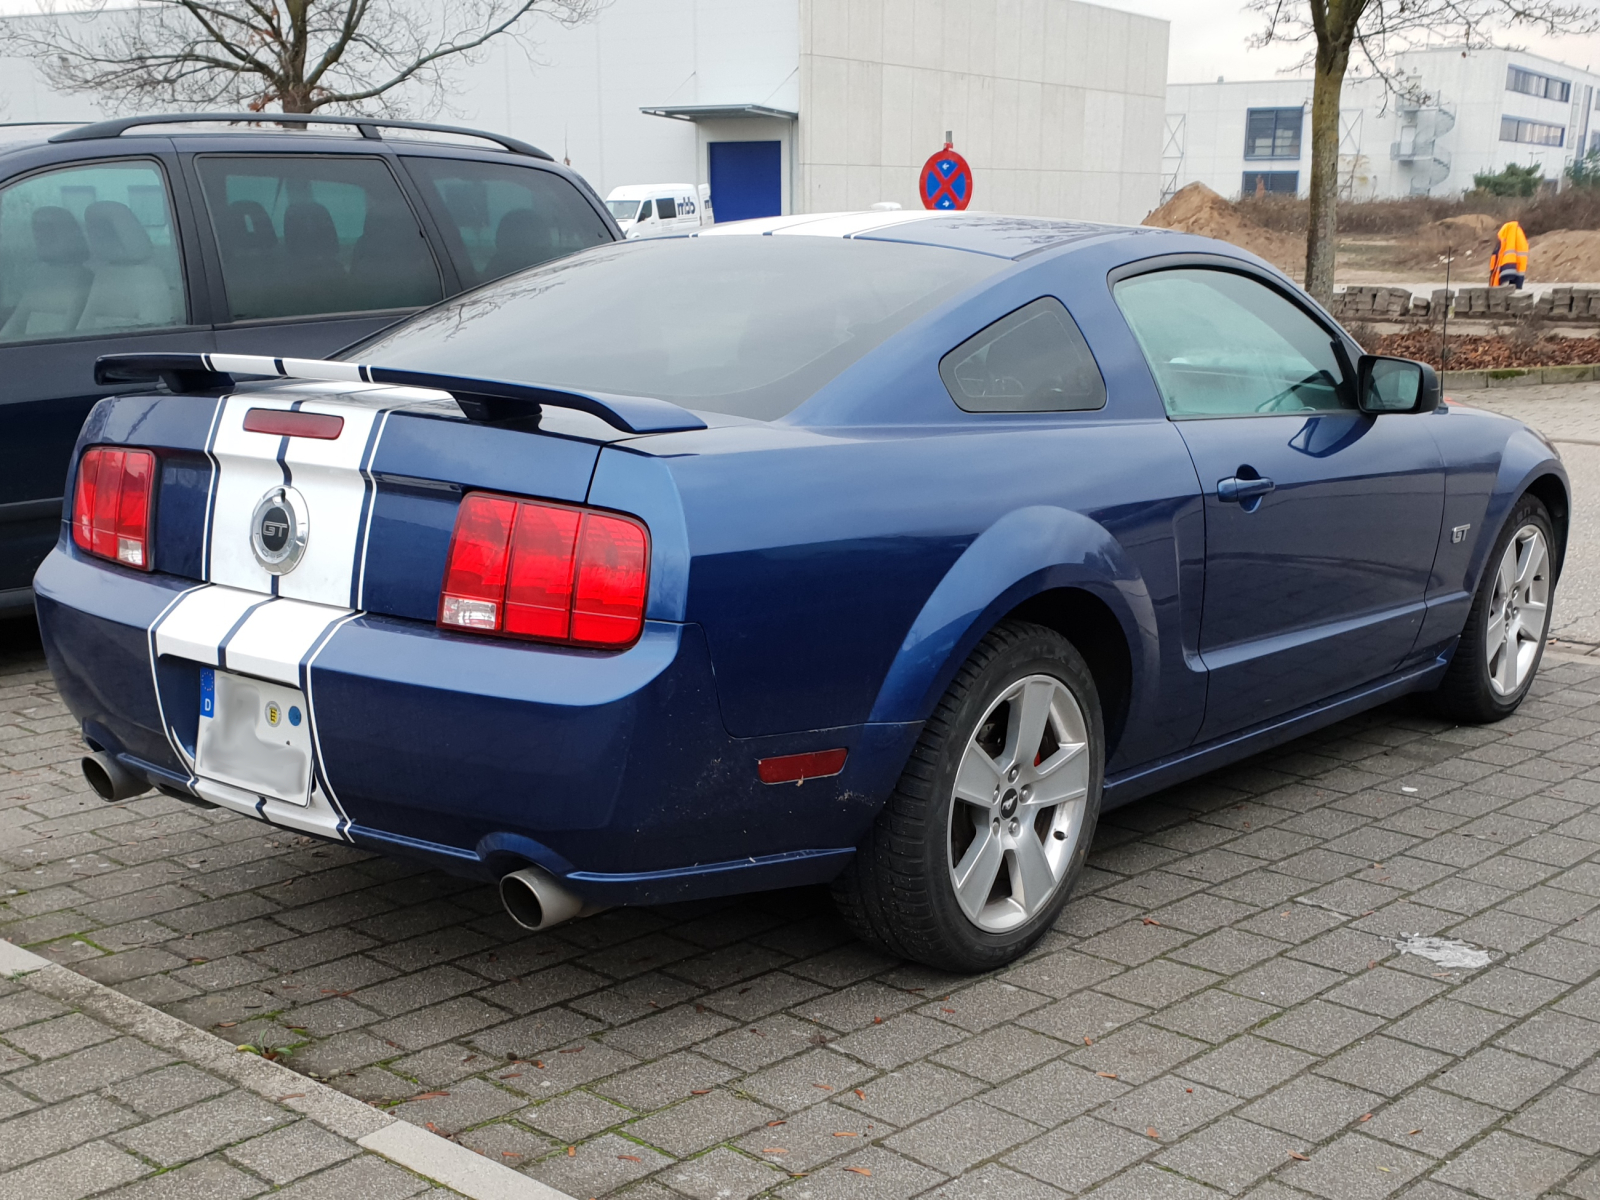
(1273, 132)
(1285, 183)
(1532, 133)
(1531, 84)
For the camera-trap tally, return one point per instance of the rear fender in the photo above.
(1028, 551)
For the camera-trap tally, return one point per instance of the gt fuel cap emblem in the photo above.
(279, 529)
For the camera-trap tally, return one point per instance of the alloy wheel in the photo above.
(1019, 799)
(1519, 609)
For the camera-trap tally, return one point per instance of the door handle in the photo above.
(1233, 489)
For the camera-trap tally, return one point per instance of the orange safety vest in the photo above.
(1512, 256)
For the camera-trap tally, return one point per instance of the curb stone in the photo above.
(1503, 377)
(456, 1167)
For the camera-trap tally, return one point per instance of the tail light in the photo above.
(547, 572)
(113, 505)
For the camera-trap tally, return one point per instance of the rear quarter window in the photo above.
(1030, 360)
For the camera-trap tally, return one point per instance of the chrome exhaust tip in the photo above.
(110, 779)
(534, 900)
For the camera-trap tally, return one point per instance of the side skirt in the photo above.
(1128, 786)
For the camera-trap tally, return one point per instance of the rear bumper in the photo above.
(613, 771)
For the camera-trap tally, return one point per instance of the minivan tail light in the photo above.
(112, 505)
(546, 572)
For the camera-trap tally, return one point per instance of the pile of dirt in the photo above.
(1565, 256)
(1197, 209)
(1474, 352)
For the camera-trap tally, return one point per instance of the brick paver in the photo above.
(1222, 1010)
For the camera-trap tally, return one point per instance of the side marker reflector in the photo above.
(792, 768)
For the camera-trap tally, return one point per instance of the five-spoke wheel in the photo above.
(1519, 608)
(1018, 802)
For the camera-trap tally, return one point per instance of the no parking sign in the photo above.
(946, 181)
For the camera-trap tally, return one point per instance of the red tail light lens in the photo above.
(548, 572)
(112, 505)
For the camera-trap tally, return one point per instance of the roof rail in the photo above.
(368, 127)
(483, 401)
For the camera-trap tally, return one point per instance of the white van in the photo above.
(653, 209)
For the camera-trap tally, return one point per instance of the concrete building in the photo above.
(816, 105)
(1456, 113)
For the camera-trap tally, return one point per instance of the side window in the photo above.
(88, 250)
(505, 218)
(1223, 345)
(645, 211)
(1032, 360)
(305, 235)
(668, 209)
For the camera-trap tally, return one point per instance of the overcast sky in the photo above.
(1208, 39)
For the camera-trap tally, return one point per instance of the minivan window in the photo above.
(88, 250)
(667, 208)
(306, 235)
(498, 219)
(756, 324)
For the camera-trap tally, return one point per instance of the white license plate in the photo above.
(254, 735)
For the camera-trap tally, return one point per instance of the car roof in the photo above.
(981, 233)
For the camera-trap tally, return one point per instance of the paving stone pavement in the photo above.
(1221, 1011)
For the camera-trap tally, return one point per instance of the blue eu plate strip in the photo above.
(208, 692)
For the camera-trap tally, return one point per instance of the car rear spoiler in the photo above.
(486, 401)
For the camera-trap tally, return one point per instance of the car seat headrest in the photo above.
(245, 228)
(308, 231)
(518, 232)
(115, 235)
(57, 237)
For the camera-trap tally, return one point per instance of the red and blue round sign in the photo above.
(946, 181)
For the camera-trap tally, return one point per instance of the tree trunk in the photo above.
(1322, 227)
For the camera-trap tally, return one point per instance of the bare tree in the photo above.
(1374, 31)
(297, 55)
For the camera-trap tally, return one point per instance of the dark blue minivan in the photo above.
(292, 236)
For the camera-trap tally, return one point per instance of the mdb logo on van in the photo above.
(946, 181)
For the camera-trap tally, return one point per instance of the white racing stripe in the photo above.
(276, 637)
(197, 625)
(328, 473)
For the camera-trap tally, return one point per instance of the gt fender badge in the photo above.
(279, 528)
(1459, 533)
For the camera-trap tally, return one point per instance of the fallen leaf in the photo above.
(1298, 1155)
(699, 1091)
(572, 1151)
(630, 1158)
(947, 1010)
(431, 1096)
(1370, 965)
(1106, 1074)
(1088, 1041)
(877, 1020)
(433, 1127)
(509, 1153)
(538, 1063)
(1150, 1132)
(859, 1170)
(226, 1024)
(1367, 1117)
(860, 1095)
(770, 1124)
(1385, 1170)
(823, 1086)
(1188, 1089)
(774, 1150)
(1151, 921)
(1413, 1132)
(838, 1133)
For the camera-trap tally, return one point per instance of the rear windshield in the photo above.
(749, 326)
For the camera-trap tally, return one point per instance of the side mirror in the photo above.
(1395, 385)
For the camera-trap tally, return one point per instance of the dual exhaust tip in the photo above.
(110, 779)
(532, 898)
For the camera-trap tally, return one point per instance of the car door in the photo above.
(91, 263)
(311, 251)
(1321, 521)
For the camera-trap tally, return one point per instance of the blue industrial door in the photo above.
(746, 180)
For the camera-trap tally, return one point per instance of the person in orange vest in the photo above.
(1509, 264)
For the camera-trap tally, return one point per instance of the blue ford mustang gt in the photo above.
(885, 549)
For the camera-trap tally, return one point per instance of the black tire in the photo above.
(1466, 693)
(897, 893)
